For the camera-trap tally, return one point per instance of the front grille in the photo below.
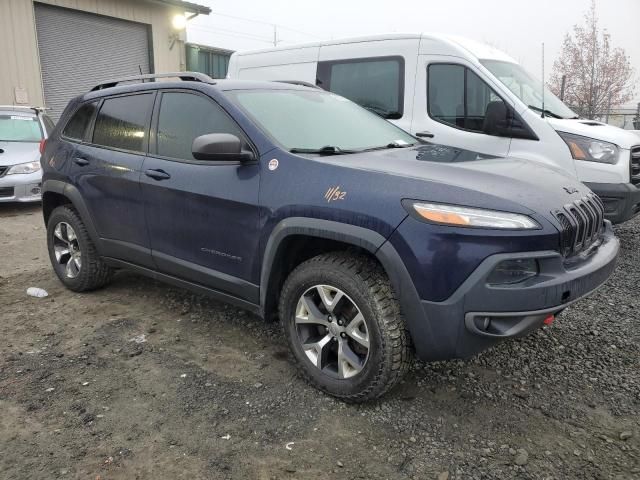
(6, 192)
(635, 165)
(581, 223)
(3, 170)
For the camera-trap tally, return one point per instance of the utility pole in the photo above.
(562, 85)
(636, 121)
(275, 35)
(608, 108)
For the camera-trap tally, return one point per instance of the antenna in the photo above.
(542, 113)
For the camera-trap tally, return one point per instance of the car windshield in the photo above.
(19, 127)
(310, 121)
(527, 88)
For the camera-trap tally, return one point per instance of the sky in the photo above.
(517, 27)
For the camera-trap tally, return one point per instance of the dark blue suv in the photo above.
(294, 202)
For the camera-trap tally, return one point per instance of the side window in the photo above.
(458, 97)
(376, 84)
(123, 122)
(185, 116)
(77, 126)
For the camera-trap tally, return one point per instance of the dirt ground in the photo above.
(141, 380)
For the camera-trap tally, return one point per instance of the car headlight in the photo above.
(590, 149)
(29, 167)
(471, 217)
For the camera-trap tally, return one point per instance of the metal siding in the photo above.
(79, 50)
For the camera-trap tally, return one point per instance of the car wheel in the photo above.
(344, 326)
(72, 253)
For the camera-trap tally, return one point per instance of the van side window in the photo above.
(458, 97)
(77, 127)
(374, 83)
(123, 122)
(185, 116)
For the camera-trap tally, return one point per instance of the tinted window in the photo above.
(459, 97)
(374, 84)
(183, 117)
(77, 126)
(123, 122)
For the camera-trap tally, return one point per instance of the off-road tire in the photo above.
(366, 283)
(94, 273)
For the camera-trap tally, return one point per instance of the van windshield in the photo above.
(310, 121)
(527, 88)
(19, 127)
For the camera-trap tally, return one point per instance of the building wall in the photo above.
(19, 60)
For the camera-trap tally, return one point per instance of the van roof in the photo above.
(464, 46)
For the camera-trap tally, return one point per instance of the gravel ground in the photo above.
(140, 380)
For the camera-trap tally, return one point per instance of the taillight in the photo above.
(43, 143)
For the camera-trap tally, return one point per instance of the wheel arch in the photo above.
(56, 193)
(335, 234)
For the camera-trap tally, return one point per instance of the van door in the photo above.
(451, 103)
(376, 75)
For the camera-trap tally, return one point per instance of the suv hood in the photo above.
(597, 130)
(447, 174)
(19, 152)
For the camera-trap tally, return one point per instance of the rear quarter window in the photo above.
(77, 127)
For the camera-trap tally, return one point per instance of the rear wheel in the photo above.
(72, 253)
(344, 326)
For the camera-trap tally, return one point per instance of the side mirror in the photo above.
(501, 121)
(220, 147)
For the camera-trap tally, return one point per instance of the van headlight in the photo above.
(459, 216)
(29, 167)
(590, 149)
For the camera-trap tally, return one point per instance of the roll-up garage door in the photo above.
(79, 50)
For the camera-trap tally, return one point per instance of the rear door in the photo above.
(106, 169)
(202, 216)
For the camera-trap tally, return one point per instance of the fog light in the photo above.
(513, 271)
(35, 191)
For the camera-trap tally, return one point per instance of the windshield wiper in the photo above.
(545, 111)
(326, 150)
(386, 114)
(389, 145)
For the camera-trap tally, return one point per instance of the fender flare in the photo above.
(73, 195)
(374, 243)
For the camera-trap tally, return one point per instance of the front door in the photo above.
(202, 216)
(450, 105)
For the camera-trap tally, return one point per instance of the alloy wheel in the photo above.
(67, 250)
(332, 331)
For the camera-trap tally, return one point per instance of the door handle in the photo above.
(81, 161)
(424, 134)
(157, 174)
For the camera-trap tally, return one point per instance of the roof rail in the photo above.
(298, 82)
(184, 76)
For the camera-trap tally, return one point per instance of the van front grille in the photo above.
(581, 224)
(635, 165)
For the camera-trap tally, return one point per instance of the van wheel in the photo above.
(72, 253)
(344, 326)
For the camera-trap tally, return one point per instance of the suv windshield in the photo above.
(318, 121)
(527, 88)
(19, 127)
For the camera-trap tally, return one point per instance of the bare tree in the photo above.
(598, 76)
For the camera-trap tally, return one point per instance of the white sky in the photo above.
(516, 26)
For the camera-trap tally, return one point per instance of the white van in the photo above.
(464, 94)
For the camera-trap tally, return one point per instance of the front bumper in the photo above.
(621, 200)
(21, 187)
(479, 315)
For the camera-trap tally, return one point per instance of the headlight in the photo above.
(518, 270)
(590, 149)
(472, 217)
(29, 167)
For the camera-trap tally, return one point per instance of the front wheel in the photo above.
(344, 326)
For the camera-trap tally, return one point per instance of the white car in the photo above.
(463, 94)
(23, 131)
